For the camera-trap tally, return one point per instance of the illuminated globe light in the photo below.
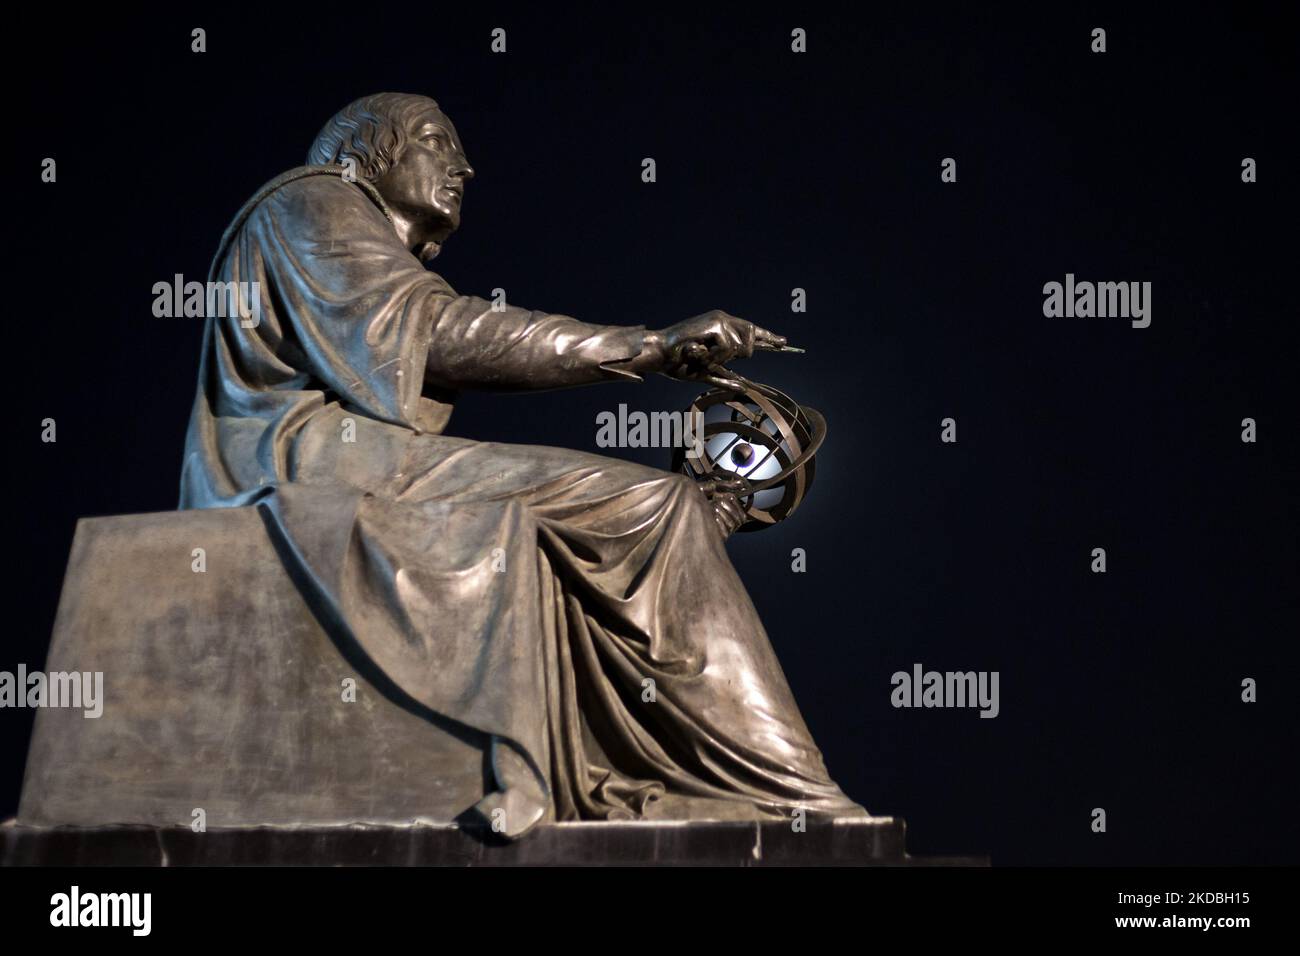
(762, 441)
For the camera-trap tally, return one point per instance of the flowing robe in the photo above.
(530, 593)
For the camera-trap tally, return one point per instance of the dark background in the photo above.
(778, 170)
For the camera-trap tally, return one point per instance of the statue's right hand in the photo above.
(724, 336)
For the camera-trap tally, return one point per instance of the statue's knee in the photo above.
(685, 486)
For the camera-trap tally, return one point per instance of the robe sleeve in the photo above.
(474, 344)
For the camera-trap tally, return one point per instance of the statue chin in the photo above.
(439, 224)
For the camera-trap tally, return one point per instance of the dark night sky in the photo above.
(777, 171)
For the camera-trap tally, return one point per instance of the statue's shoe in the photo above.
(521, 801)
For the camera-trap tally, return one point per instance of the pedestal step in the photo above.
(876, 842)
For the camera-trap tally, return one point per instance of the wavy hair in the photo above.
(371, 131)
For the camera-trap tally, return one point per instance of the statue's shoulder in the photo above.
(308, 189)
(305, 182)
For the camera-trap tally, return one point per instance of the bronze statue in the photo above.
(581, 610)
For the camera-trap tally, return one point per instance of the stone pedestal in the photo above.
(223, 694)
(876, 842)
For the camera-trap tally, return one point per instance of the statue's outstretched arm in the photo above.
(475, 343)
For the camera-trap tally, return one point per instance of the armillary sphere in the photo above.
(757, 443)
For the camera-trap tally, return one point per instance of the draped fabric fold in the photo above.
(579, 611)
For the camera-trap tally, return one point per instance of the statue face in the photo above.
(425, 187)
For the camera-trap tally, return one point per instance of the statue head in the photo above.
(407, 148)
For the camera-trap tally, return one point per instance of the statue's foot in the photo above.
(520, 802)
